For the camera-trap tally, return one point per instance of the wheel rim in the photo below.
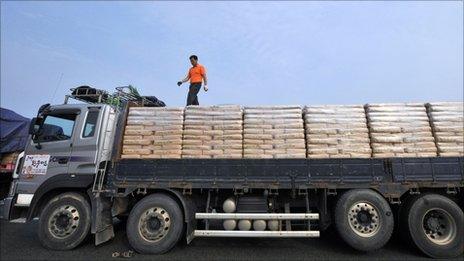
(364, 219)
(64, 221)
(154, 224)
(439, 226)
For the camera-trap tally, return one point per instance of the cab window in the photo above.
(90, 124)
(56, 128)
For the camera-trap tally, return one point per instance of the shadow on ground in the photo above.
(20, 242)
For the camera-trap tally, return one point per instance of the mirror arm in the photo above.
(38, 145)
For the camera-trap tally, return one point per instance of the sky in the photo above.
(255, 53)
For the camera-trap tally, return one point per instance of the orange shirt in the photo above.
(196, 73)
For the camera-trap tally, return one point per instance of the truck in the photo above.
(13, 137)
(73, 179)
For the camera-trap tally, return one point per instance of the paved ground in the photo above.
(20, 242)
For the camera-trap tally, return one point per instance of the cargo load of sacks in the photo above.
(336, 131)
(447, 120)
(273, 132)
(153, 133)
(213, 132)
(400, 130)
(317, 131)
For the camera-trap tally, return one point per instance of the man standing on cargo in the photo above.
(196, 75)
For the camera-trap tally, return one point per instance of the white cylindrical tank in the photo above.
(259, 225)
(229, 205)
(229, 224)
(273, 225)
(244, 225)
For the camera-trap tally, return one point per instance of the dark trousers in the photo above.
(192, 98)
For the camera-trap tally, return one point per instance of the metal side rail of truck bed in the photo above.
(257, 216)
(391, 176)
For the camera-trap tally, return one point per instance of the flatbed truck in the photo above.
(75, 181)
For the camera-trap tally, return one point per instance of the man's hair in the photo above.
(194, 57)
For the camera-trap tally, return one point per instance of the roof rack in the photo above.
(87, 94)
(122, 95)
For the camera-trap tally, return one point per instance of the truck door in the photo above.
(48, 153)
(85, 144)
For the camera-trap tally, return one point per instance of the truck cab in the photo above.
(66, 145)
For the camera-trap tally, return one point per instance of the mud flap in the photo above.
(102, 220)
(190, 219)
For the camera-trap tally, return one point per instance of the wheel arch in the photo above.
(56, 185)
(381, 193)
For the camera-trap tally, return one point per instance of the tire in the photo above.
(155, 224)
(427, 213)
(363, 219)
(64, 222)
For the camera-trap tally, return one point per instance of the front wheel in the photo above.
(64, 222)
(155, 224)
(436, 226)
(363, 219)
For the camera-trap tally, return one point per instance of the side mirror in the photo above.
(35, 125)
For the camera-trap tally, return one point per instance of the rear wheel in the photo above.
(155, 224)
(436, 225)
(64, 222)
(363, 219)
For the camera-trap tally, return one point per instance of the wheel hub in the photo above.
(154, 224)
(433, 223)
(364, 219)
(63, 221)
(439, 226)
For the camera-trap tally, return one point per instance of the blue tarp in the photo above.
(13, 131)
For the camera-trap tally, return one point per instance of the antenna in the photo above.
(56, 88)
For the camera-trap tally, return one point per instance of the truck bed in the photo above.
(388, 174)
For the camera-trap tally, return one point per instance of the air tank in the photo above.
(273, 225)
(229, 224)
(244, 225)
(259, 225)
(229, 205)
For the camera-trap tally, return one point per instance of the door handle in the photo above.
(63, 160)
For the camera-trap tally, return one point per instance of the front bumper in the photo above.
(5, 207)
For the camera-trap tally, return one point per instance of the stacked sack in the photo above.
(213, 132)
(273, 132)
(153, 132)
(400, 130)
(337, 131)
(448, 127)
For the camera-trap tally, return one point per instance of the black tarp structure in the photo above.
(13, 131)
